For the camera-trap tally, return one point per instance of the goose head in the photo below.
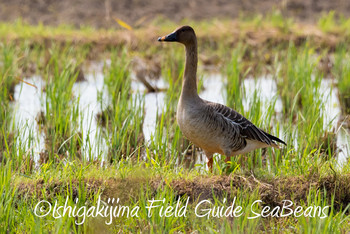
(184, 35)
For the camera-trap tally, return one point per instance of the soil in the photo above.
(272, 192)
(136, 12)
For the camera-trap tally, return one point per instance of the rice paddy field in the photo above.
(89, 141)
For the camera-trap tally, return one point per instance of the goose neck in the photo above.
(189, 85)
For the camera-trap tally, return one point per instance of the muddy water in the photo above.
(29, 103)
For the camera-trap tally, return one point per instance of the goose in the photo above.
(211, 126)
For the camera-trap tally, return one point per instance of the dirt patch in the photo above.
(260, 44)
(54, 188)
(102, 13)
(125, 189)
(272, 192)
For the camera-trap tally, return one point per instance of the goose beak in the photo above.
(170, 37)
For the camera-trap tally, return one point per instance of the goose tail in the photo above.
(273, 138)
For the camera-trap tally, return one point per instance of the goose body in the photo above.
(213, 127)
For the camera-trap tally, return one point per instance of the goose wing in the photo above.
(246, 128)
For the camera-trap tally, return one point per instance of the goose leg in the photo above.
(210, 160)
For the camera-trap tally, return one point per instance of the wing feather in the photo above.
(246, 128)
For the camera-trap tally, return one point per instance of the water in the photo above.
(266, 89)
(29, 99)
(331, 110)
(213, 88)
(95, 145)
(332, 114)
(343, 144)
(153, 103)
(27, 107)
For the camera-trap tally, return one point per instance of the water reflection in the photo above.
(27, 106)
(29, 99)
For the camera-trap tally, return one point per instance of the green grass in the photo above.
(124, 114)
(333, 23)
(342, 71)
(61, 107)
(137, 171)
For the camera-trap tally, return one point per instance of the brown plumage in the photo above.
(214, 127)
